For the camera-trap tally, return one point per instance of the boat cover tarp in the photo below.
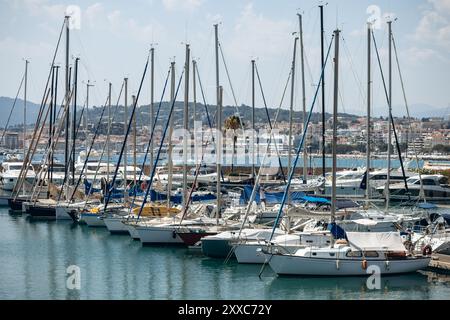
(271, 197)
(385, 241)
(426, 205)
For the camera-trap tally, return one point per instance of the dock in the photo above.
(440, 262)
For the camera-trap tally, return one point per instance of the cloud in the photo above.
(434, 26)
(257, 34)
(10, 47)
(40, 8)
(190, 5)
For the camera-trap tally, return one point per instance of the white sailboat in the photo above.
(363, 251)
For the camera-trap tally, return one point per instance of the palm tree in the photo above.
(233, 123)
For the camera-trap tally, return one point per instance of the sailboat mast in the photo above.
(152, 112)
(369, 83)
(88, 85)
(169, 149)
(253, 121)
(67, 88)
(219, 153)
(125, 124)
(25, 116)
(219, 91)
(387, 193)
(194, 93)
(108, 149)
(335, 112)
(322, 55)
(50, 124)
(302, 58)
(133, 98)
(74, 121)
(291, 109)
(186, 123)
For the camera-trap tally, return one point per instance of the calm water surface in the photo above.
(34, 256)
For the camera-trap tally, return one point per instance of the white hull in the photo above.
(158, 235)
(132, 231)
(248, 253)
(93, 220)
(62, 213)
(296, 265)
(115, 225)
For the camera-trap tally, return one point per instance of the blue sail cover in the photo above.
(271, 197)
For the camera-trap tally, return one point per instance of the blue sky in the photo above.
(114, 38)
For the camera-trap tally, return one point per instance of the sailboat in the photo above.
(353, 253)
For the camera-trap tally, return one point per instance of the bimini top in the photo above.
(382, 241)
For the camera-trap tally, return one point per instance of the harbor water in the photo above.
(35, 257)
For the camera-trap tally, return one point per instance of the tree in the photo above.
(233, 123)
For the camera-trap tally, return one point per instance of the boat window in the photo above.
(428, 182)
(314, 253)
(412, 180)
(371, 254)
(354, 254)
(332, 254)
(443, 180)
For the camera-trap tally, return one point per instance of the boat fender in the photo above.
(427, 250)
(143, 185)
(174, 234)
(387, 264)
(337, 264)
(364, 264)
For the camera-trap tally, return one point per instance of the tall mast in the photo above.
(169, 149)
(219, 92)
(194, 92)
(125, 125)
(335, 111)
(55, 97)
(369, 83)
(152, 87)
(67, 89)
(133, 98)
(291, 108)
(253, 120)
(216, 36)
(108, 149)
(50, 125)
(322, 55)
(219, 153)
(186, 123)
(25, 117)
(74, 121)
(387, 193)
(88, 85)
(305, 156)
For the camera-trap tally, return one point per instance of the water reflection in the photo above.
(36, 253)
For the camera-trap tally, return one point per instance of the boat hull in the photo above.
(115, 225)
(216, 248)
(159, 235)
(15, 205)
(296, 265)
(66, 213)
(192, 238)
(93, 220)
(132, 231)
(37, 211)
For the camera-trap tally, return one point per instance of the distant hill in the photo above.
(17, 115)
(417, 110)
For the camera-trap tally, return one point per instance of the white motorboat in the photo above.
(363, 254)
(11, 172)
(436, 187)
